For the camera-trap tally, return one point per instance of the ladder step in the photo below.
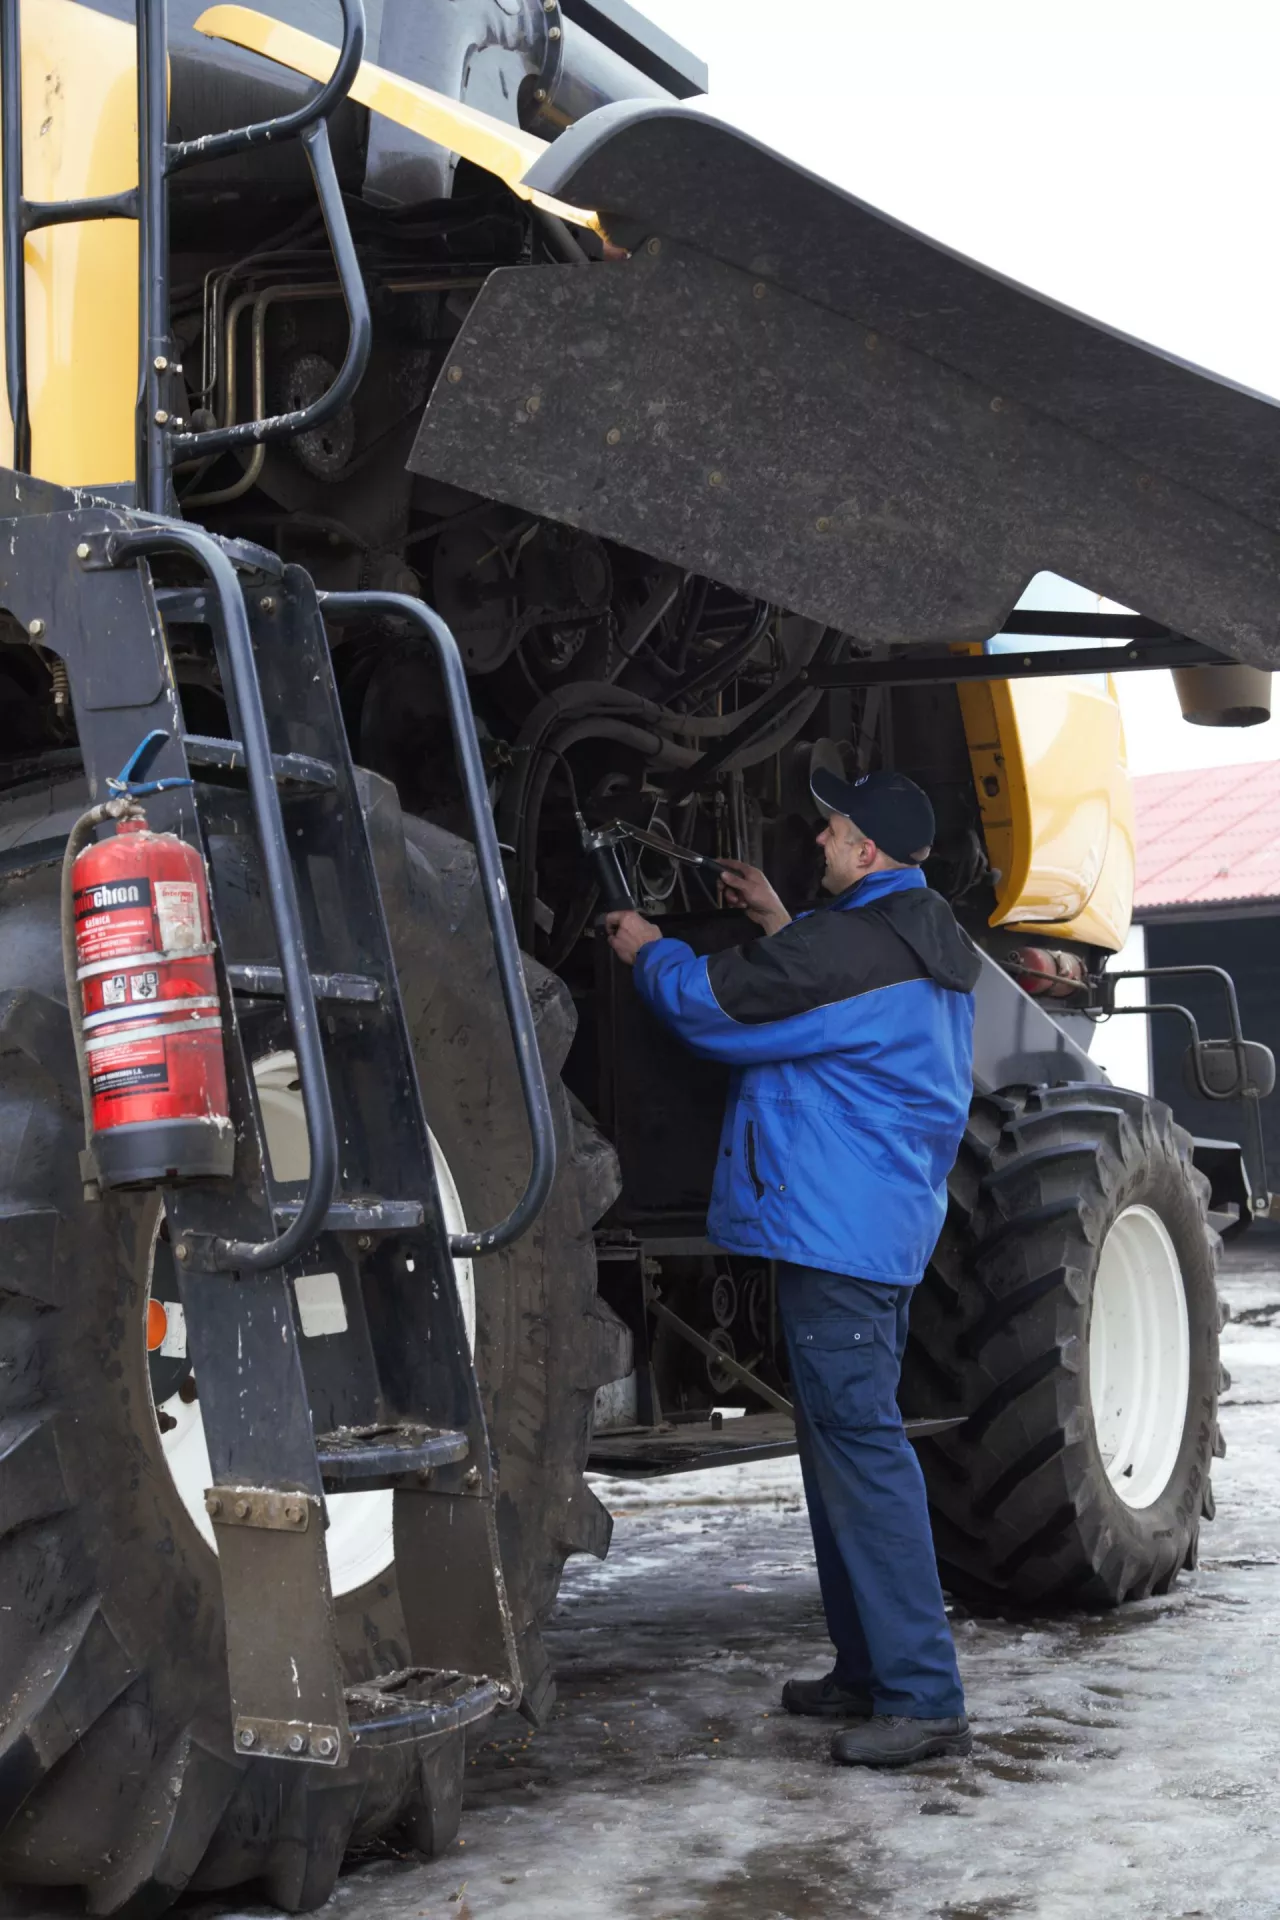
(291, 769)
(357, 1456)
(402, 1707)
(267, 983)
(360, 1216)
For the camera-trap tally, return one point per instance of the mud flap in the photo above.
(787, 390)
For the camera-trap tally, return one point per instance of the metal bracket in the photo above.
(288, 1740)
(261, 1507)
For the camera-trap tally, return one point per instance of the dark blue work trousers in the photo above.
(865, 1492)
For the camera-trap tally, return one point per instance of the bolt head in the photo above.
(247, 1737)
(454, 374)
(997, 405)
(83, 550)
(539, 94)
(533, 403)
(161, 417)
(822, 524)
(294, 1514)
(715, 478)
(36, 629)
(160, 364)
(213, 1505)
(325, 1745)
(297, 1743)
(242, 1509)
(613, 436)
(553, 33)
(653, 246)
(267, 603)
(549, 6)
(182, 1251)
(759, 290)
(364, 1241)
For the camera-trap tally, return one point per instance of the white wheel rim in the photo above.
(1139, 1356)
(359, 1540)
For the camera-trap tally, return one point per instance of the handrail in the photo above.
(216, 146)
(322, 1138)
(497, 902)
(359, 337)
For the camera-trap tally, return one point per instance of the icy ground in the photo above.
(1127, 1766)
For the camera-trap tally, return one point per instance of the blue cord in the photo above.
(128, 779)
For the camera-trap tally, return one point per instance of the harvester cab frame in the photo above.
(684, 454)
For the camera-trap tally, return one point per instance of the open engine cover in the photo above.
(786, 390)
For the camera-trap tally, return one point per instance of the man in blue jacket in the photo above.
(850, 1033)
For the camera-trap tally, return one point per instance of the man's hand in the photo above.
(747, 887)
(628, 932)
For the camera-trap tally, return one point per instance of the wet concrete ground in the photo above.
(1125, 1765)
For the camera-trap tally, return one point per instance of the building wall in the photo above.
(1249, 948)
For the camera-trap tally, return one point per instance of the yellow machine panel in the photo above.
(80, 124)
(1052, 779)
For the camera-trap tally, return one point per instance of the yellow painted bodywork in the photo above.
(79, 137)
(500, 149)
(1052, 779)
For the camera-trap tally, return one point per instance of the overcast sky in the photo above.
(1117, 154)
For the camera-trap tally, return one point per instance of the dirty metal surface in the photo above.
(725, 422)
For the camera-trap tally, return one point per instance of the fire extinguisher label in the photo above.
(113, 919)
(129, 1076)
(178, 914)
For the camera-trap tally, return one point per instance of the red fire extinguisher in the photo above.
(150, 1015)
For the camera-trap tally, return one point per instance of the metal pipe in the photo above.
(322, 1139)
(493, 884)
(15, 265)
(359, 341)
(259, 302)
(154, 352)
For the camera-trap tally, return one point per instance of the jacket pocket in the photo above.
(842, 1373)
(753, 1170)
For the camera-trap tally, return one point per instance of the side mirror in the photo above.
(1220, 1063)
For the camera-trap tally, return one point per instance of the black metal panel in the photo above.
(678, 172)
(808, 402)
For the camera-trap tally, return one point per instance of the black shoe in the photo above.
(890, 1741)
(826, 1699)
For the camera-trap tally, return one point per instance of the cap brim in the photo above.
(828, 791)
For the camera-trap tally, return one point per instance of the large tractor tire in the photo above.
(1070, 1313)
(117, 1774)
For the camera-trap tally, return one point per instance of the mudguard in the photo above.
(786, 389)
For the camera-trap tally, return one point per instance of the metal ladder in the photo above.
(393, 1401)
(396, 1405)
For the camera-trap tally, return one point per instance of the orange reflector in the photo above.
(157, 1325)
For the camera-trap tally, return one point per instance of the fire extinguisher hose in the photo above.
(123, 808)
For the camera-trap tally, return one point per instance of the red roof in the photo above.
(1208, 836)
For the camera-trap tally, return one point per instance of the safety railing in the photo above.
(493, 884)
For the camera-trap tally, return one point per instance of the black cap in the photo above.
(886, 807)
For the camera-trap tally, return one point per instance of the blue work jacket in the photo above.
(850, 1036)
